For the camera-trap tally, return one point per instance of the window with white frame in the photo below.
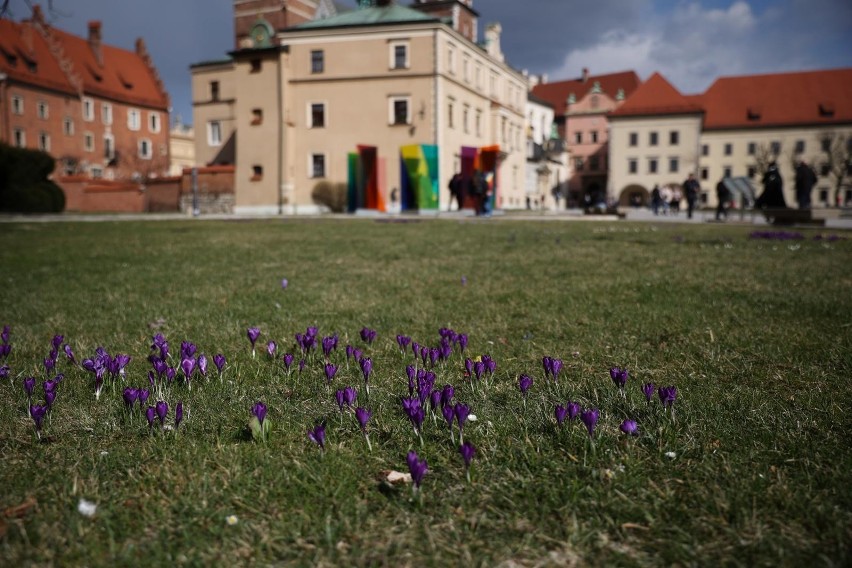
(317, 61)
(399, 55)
(88, 142)
(88, 109)
(466, 68)
(145, 151)
(68, 126)
(478, 76)
(44, 141)
(316, 115)
(17, 105)
(109, 147)
(451, 112)
(399, 110)
(20, 138)
(106, 113)
(478, 122)
(154, 122)
(451, 59)
(42, 110)
(134, 119)
(317, 166)
(214, 133)
(466, 119)
(96, 172)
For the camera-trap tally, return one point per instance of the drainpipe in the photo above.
(280, 156)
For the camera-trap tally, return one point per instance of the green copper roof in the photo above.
(391, 14)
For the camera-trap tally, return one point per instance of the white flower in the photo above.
(471, 417)
(86, 508)
(231, 520)
(670, 455)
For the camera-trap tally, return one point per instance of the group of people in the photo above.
(666, 199)
(773, 187)
(476, 187)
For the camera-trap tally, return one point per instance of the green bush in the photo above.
(24, 187)
(332, 195)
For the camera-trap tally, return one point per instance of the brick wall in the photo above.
(163, 195)
(89, 196)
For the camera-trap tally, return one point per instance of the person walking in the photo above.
(805, 181)
(773, 190)
(723, 196)
(656, 199)
(691, 188)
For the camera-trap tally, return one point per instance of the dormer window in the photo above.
(826, 110)
(753, 113)
(125, 82)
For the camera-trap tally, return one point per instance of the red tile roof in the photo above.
(26, 57)
(656, 96)
(556, 93)
(780, 99)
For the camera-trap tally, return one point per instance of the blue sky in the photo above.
(691, 42)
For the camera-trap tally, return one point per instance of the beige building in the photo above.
(735, 129)
(182, 147)
(292, 104)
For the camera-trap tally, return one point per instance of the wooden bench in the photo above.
(786, 216)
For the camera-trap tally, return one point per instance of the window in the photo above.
(493, 83)
(674, 138)
(214, 90)
(17, 105)
(652, 138)
(451, 111)
(726, 172)
(594, 163)
(594, 135)
(88, 109)
(68, 126)
(451, 60)
(256, 172)
(775, 146)
(134, 119)
(705, 150)
(578, 137)
(317, 166)
(674, 165)
(751, 148)
(96, 172)
(256, 116)
(109, 147)
(214, 133)
(466, 69)
(89, 141)
(153, 122)
(466, 118)
(825, 144)
(634, 139)
(41, 109)
(399, 110)
(752, 171)
(824, 169)
(20, 138)
(399, 56)
(800, 147)
(729, 149)
(145, 151)
(317, 118)
(255, 65)
(579, 164)
(632, 166)
(652, 165)
(106, 113)
(479, 76)
(478, 122)
(317, 61)
(704, 174)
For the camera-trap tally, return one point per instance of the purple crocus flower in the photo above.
(462, 341)
(4, 335)
(253, 333)
(288, 360)
(131, 395)
(202, 364)
(187, 349)
(573, 409)
(4, 371)
(219, 361)
(349, 351)
(329, 344)
(143, 395)
(467, 451)
(362, 415)
(70, 354)
(478, 369)
(357, 354)
(312, 331)
(259, 411)
(50, 386)
(178, 414)
(187, 366)
(368, 335)
(449, 412)
(435, 399)
(667, 395)
(5, 349)
(403, 341)
(555, 367)
(49, 364)
(417, 468)
(151, 415)
(302, 363)
(447, 394)
(121, 362)
(619, 376)
(317, 435)
(366, 368)
(57, 341)
(284, 283)
(629, 427)
(162, 409)
(560, 412)
(29, 385)
(49, 397)
(349, 396)
(330, 371)
(462, 411)
(468, 366)
(590, 418)
(37, 412)
(271, 347)
(524, 383)
(338, 396)
(648, 390)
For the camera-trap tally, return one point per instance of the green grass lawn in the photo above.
(751, 465)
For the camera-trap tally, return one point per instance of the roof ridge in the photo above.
(142, 51)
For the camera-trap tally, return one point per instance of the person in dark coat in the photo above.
(773, 190)
(656, 199)
(456, 187)
(805, 181)
(691, 188)
(723, 196)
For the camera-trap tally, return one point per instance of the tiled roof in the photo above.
(123, 75)
(390, 14)
(780, 99)
(656, 96)
(556, 93)
(25, 56)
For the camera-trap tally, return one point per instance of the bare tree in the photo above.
(764, 154)
(6, 10)
(837, 158)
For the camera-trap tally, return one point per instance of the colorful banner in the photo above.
(419, 176)
(364, 180)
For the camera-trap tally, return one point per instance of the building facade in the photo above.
(101, 111)
(547, 169)
(382, 97)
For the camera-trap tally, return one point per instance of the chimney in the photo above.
(95, 40)
(585, 74)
